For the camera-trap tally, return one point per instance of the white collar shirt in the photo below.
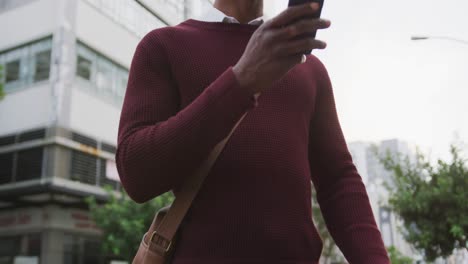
(212, 14)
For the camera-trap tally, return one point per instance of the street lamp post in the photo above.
(439, 37)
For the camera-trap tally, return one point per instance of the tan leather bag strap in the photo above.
(163, 235)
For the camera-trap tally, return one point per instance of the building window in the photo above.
(9, 248)
(103, 77)
(26, 64)
(121, 83)
(104, 178)
(82, 250)
(42, 65)
(31, 135)
(7, 140)
(6, 168)
(33, 245)
(71, 250)
(12, 248)
(25, 164)
(29, 164)
(12, 71)
(92, 252)
(83, 68)
(40, 61)
(83, 167)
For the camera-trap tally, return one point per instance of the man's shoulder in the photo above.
(317, 69)
(163, 35)
(159, 33)
(171, 30)
(315, 62)
(316, 66)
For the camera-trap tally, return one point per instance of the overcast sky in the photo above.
(387, 86)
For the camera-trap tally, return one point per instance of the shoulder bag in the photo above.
(158, 243)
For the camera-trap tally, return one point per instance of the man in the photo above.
(188, 86)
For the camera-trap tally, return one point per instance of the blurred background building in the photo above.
(65, 69)
(374, 175)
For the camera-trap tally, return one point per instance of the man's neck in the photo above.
(242, 10)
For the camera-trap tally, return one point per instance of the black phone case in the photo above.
(317, 15)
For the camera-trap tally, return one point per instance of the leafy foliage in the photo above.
(397, 258)
(124, 222)
(432, 201)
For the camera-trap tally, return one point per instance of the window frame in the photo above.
(114, 93)
(19, 54)
(77, 72)
(85, 52)
(26, 54)
(18, 74)
(35, 49)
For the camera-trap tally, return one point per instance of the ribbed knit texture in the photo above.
(255, 204)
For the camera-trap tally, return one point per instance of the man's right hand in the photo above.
(274, 48)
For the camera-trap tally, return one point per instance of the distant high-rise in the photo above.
(374, 175)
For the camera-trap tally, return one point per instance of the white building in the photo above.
(374, 175)
(65, 69)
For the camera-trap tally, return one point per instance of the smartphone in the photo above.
(316, 15)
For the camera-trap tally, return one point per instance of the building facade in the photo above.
(65, 70)
(374, 176)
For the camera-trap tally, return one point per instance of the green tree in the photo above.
(124, 222)
(2, 93)
(396, 257)
(330, 252)
(431, 200)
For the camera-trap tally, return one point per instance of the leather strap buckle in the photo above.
(160, 239)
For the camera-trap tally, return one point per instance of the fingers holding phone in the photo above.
(316, 17)
(299, 24)
(300, 37)
(278, 45)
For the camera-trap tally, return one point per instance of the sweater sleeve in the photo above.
(341, 193)
(160, 145)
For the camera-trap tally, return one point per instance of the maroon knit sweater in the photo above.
(255, 204)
